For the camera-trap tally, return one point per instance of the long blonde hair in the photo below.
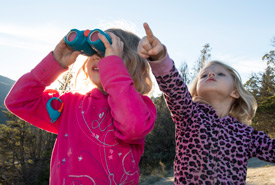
(243, 108)
(137, 67)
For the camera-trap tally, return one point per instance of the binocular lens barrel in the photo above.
(94, 36)
(71, 36)
(87, 41)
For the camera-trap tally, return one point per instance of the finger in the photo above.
(148, 32)
(147, 47)
(118, 46)
(143, 53)
(159, 48)
(62, 41)
(116, 42)
(144, 44)
(121, 44)
(64, 44)
(75, 54)
(105, 40)
(153, 52)
(61, 44)
(115, 39)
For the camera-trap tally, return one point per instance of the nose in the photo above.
(211, 74)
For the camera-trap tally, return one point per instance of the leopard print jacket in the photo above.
(209, 150)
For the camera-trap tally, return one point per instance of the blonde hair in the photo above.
(137, 67)
(243, 108)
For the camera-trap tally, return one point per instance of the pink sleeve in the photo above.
(27, 100)
(162, 66)
(133, 113)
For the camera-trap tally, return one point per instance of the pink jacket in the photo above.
(100, 136)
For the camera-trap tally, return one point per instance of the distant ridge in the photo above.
(6, 80)
(5, 86)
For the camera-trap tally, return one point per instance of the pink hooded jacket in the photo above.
(101, 137)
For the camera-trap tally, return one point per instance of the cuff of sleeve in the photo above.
(48, 70)
(162, 66)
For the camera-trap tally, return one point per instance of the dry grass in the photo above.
(261, 176)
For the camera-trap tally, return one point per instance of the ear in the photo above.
(235, 94)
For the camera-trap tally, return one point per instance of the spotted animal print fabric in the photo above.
(209, 150)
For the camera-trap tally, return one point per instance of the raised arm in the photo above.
(27, 98)
(169, 80)
(134, 114)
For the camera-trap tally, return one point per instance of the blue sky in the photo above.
(238, 31)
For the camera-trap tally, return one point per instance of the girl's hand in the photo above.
(64, 55)
(117, 45)
(150, 46)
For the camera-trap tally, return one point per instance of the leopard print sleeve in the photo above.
(262, 146)
(177, 96)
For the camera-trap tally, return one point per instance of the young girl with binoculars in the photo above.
(101, 134)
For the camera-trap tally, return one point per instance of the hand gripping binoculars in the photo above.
(87, 41)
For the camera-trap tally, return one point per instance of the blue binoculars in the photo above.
(87, 41)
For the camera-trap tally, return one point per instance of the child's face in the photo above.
(92, 70)
(216, 82)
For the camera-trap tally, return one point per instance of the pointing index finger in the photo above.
(149, 32)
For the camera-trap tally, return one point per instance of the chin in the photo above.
(98, 85)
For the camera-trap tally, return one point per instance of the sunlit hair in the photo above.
(243, 108)
(137, 67)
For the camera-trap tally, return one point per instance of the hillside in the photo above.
(5, 86)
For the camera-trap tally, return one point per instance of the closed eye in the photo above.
(221, 74)
(203, 75)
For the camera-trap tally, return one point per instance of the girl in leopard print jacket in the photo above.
(212, 143)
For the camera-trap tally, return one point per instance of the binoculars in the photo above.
(87, 41)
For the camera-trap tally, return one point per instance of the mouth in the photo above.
(211, 79)
(95, 68)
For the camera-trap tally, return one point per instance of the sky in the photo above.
(238, 32)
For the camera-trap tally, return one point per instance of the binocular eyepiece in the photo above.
(87, 41)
